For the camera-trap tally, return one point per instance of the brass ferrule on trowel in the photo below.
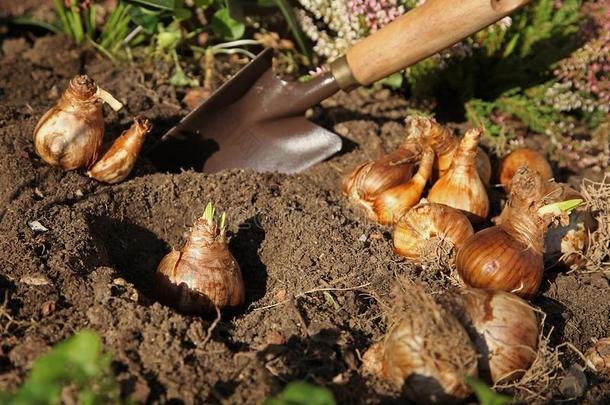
(342, 73)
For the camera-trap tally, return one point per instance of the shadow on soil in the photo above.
(133, 250)
(244, 246)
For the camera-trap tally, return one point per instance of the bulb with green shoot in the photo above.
(203, 274)
(509, 256)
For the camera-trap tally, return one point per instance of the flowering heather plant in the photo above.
(335, 25)
(583, 78)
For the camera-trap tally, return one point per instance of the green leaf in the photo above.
(302, 393)
(486, 395)
(159, 4)
(225, 26)
(203, 3)
(169, 39)
(36, 23)
(78, 362)
(145, 18)
(181, 79)
(393, 81)
(182, 14)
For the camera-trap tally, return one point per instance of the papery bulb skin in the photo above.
(504, 329)
(119, 160)
(483, 166)
(461, 187)
(444, 143)
(598, 356)
(203, 274)
(508, 256)
(393, 203)
(70, 134)
(365, 183)
(426, 351)
(492, 258)
(427, 222)
(523, 157)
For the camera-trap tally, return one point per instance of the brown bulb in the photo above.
(393, 203)
(70, 134)
(598, 356)
(118, 161)
(426, 350)
(445, 144)
(427, 222)
(523, 157)
(461, 186)
(370, 179)
(203, 274)
(508, 256)
(504, 329)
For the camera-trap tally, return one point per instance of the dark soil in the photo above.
(311, 263)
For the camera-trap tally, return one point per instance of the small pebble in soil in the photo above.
(119, 281)
(275, 338)
(48, 308)
(574, 383)
(36, 226)
(35, 280)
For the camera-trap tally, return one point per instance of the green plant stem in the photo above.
(76, 23)
(295, 27)
(63, 17)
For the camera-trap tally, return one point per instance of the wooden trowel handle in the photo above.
(423, 31)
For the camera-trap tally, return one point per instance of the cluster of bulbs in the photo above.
(486, 327)
(508, 256)
(70, 134)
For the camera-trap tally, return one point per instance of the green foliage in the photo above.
(507, 70)
(393, 81)
(225, 26)
(78, 363)
(302, 393)
(486, 395)
(169, 5)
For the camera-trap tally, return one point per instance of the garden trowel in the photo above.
(256, 120)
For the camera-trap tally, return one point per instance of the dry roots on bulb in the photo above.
(118, 161)
(598, 356)
(444, 143)
(203, 274)
(503, 327)
(393, 203)
(426, 351)
(523, 157)
(70, 134)
(508, 256)
(370, 179)
(427, 222)
(461, 186)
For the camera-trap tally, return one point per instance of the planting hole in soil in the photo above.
(322, 277)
